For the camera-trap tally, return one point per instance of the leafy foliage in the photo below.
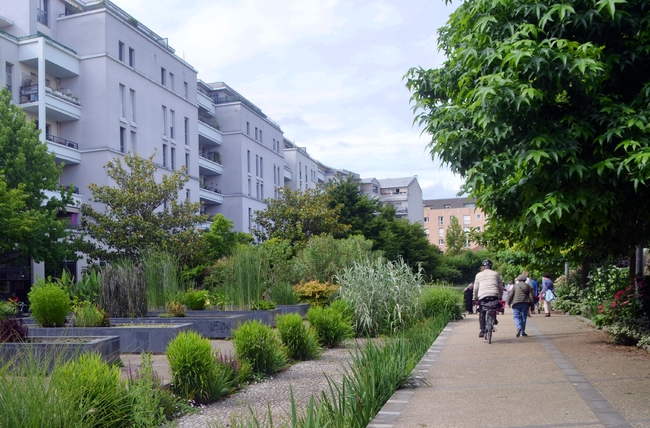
(301, 342)
(331, 325)
(87, 314)
(258, 344)
(49, 303)
(196, 300)
(455, 238)
(132, 217)
(123, 292)
(316, 293)
(543, 109)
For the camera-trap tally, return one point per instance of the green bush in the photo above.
(262, 305)
(439, 300)
(283, 294)
(301, 342)
(630, 332)
(196, 300)
(332, 327)
(7, 310)
(258, 344)
(49, 304)
(174, 309)
(87, 314)
(315, 293)
(196, 375)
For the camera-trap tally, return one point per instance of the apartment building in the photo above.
(306, 171)
(437, 218)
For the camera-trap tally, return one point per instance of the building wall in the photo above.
(437, 219)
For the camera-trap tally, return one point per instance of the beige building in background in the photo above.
(437, 218)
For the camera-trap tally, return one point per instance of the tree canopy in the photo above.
(30, 224)
(543, 108)
(134, 215)
(455, 237)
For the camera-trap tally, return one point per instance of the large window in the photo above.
(120, 51)
(132, 97)
(164, 120)
(131, 57)
(172, 134)
(163, 76)
(9, 73)
(122, 140)
(466, 219)
(186, 125)
(173, 158)
(164, 154)
(122, 102)
(43, 11)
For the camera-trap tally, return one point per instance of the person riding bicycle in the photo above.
(488, 286)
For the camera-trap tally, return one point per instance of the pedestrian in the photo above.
(469, 298)
(535, 285)
(520, 299)
(547, 285)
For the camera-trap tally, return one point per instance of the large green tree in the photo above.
(133, 216)
(543, 108)
(28, 170)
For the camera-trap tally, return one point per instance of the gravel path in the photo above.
(306, 378)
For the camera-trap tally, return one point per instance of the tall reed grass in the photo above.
(123, 292)
(249, 279)
(162, 278)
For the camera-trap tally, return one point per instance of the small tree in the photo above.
(133, 218)
(455, 237)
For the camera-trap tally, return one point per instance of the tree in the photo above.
(134, 217)
(27, 170)
(296, 216)
(221, 239)
(543, 108)
(356, 209)
(455, 237)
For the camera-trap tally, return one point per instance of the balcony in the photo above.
(77, 199)
(60, 105)
(60, 61)
(288, 175)
(210, 197)
(209, 167)
(65, 150)
(205, 104)
(209, 135)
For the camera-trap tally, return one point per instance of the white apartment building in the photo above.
(306, 171)
(404, 194)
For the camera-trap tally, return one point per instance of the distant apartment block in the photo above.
(437, 218)
(404, 194)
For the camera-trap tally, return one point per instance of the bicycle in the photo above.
(492, 308)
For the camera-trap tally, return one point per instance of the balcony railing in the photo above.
(210, 122)
(42, 17)
(211, 188)
(62, 141)
(29, 94)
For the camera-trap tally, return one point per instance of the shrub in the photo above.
(441, 300)
(384, 295)
(123, 292)
(87, 288)
(7, 309)
(196, 300)
(87, 314)
(196, 375)
(174, 309)
(332, 327)
(12, 330)
(49, 303)
(630, 332)
(300, 341)
(283, 294)
(258, 344)
(315, 292)
(263, 305)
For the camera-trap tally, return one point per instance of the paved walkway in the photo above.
(564, 374)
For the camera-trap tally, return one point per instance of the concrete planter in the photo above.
(299, 308)
(267, 317)
(136, 337)
(53, 349)
(211, 327)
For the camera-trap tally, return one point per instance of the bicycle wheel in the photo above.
(489, 326)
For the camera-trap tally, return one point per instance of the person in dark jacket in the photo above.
(469, 298)
(520, 300)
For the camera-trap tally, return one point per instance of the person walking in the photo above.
(469, 300)
(547, 285)
(535, 285)
(488, 286)
(520, 300)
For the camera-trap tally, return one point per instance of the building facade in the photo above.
(437, 218)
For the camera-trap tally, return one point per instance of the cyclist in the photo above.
(488, 286)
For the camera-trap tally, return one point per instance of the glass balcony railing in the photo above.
(62, 141)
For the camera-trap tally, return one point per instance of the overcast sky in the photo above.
(328, 71)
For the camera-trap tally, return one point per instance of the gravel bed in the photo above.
(306, 378)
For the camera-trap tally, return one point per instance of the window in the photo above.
(257, 190)
(131, 57)
(171, 82)
(187, 162)
(132, 97)
(164, 120)
(441, 242)
(122, 102)
(187, 194)
(447, 206)
(275, 178)
(172, 134)
(261, 140)
(120, 51)
(248, 162)
(249, 187)
(469, 205)
(250, 218)
(163, 76)
(426, 219)
(122, 140)
(300, 169)
(186, 90)
(257, 166)
(441, 232)
(186, 125)
(256, 133)
(261, 167)
(426, 232)
(441, 220)
(262, 191)
(173, 158)
(478, 228)
(466, 219)
(164, 153)
(43, 11)
(9, 72)
(248, 128)
(478, 216)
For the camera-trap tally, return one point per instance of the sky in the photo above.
(330, 72)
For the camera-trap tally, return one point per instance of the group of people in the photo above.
(523, 295)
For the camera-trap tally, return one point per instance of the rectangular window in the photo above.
(122, 140)
(478, 216)
(249, 187)
(173, 158)
(122, 102)
(300, 169)
(120, 51)
(171, 82)
(257, 166)
(186, 90)
(426, 219)
(132, 97)
(441, 242)
(163, 76)
(248, 129)
(274, 176)
(43, 11)
(250, 218)
(441, 220)
(9, 73)
(441, 232)
(257, 190)
(248, 163)
(261, 139)
(447, 206)
(187, 162)
(164, 153)
(262, 191)
(186, 125)
(172, 134)
(466, 219)
(261, 167)
(187, 194)
(131, 57)
(164, 120)
(256, 133)
(134, 146)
